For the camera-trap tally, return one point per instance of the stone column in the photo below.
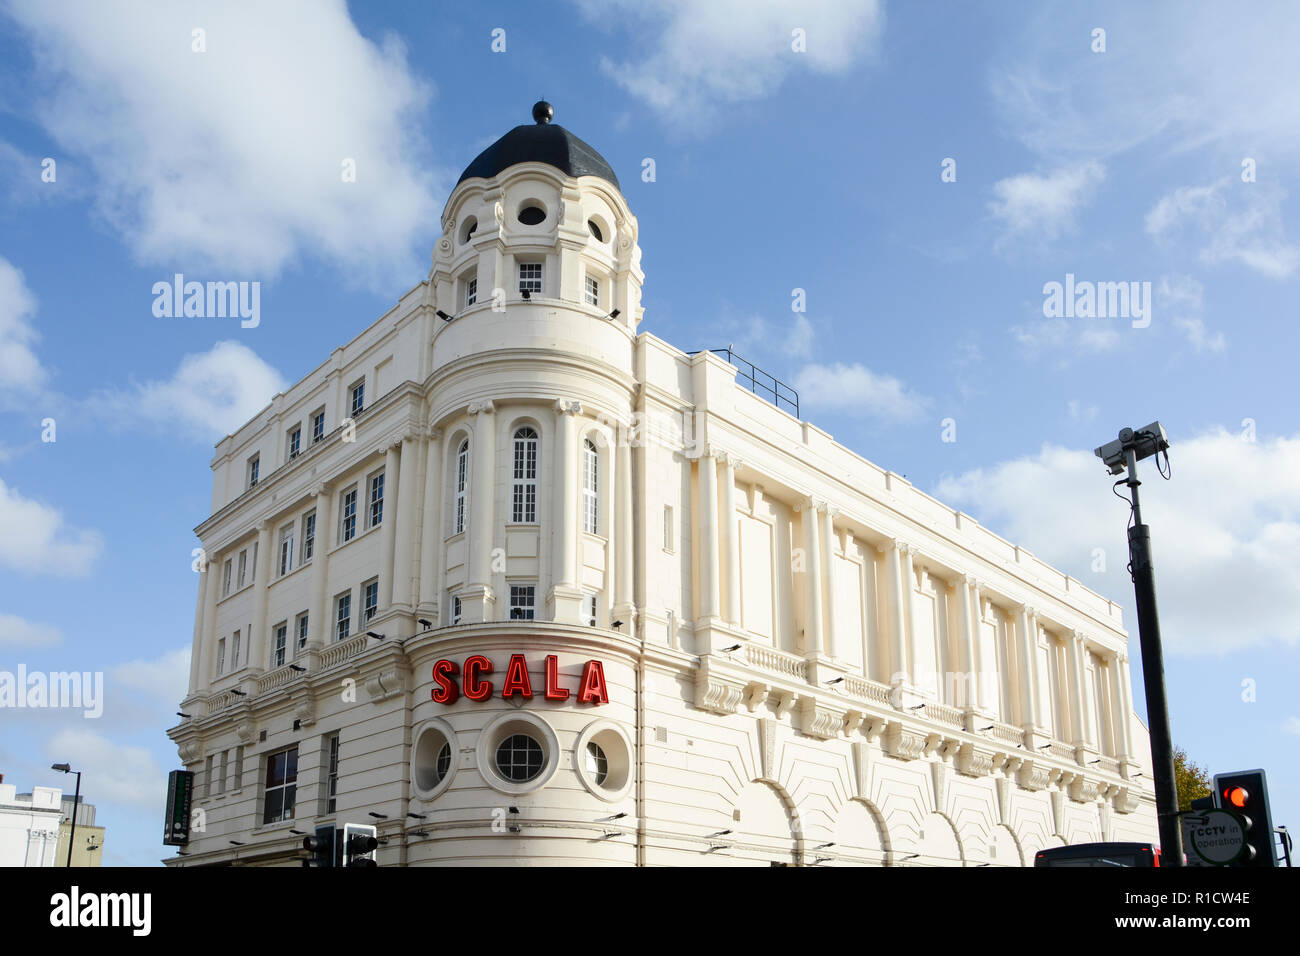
(707, 523)
(406, 519)
(812, 592)
(318, 621)
(566, 595)
(208, 645)
(1124, 703)
(624, 605)
(477, 600)
(967, 622)
(388, 524)
(1074, 657)
(897, 614)
(206, 576)
(909, 606)
(730, 558)
(1027, 672)
(430, 598)
(258, 658)
(826, 528)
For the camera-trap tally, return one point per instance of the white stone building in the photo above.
(806, 660)
(29, 826)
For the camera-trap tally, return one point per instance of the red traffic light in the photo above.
(1237, 796)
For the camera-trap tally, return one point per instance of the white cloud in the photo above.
(1225, 532)
(703, 55)
(858, 391)
(1181, 298)
(118, 773)
(232, 159)
(1080, 413)
(16, 632)
(1178, 73)
(210, 395)
(1292, 725)
(20, 369)
(799, 342)
(35, 538)
(1232, 221)
(165, 678)
(1036, 207)
(1090, 335)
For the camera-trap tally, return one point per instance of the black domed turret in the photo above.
(543, 142)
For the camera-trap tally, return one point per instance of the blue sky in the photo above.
(1167, 158)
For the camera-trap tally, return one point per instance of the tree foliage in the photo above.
(1190, 780)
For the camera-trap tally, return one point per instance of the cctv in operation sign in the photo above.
(1214, 837)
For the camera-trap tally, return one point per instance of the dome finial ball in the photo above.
(543, 112)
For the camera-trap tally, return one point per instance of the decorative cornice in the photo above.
(973, 761)
(902, 743)
(1031, 777)
(818, 720)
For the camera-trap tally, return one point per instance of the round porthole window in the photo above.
(532, 214)
(519, 758)
(518, 752)
(603, 760)
(593, 227)
(597, 763)
(432, 766)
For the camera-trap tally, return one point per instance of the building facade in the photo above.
(519, 584)
(29, 826)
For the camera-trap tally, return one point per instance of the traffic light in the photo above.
(359, 843)
(1245, 793)
(321, 846)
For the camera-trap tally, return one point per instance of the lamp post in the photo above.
(76, 801)
(1120, 455)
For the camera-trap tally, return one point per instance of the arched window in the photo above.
(462, 473)
(524, 494)
(590, 479)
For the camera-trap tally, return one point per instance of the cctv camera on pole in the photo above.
(1124, 453)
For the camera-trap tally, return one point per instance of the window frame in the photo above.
(280, 644)
(516, 596)
(318, 425)
(590, 487)
(538, 280)
(347, 519)
(523, 484)
(285, 563)
(591, 290)
(253, 468)
(461, 485)
(332, 775)
(301, 628)
(288, 787)
(369, 611)
(375, 500)
(293, 448)
(357, 397)
(308, 537)
(225, 580)
(343, 623)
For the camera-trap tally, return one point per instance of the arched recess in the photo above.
(1004, 848)
(937, 844)
(860, 835)
(763, 829)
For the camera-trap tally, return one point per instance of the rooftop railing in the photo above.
(761, 383)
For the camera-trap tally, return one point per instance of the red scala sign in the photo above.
(591, 688)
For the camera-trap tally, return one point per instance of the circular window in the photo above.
(467, 231)
(594, 229)
(603, 760)
(519, 758)
(597, 763)
(532, 214)
(431, 760)
(518, 752)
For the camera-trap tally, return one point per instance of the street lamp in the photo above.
(76, 801)
(1120, 455)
